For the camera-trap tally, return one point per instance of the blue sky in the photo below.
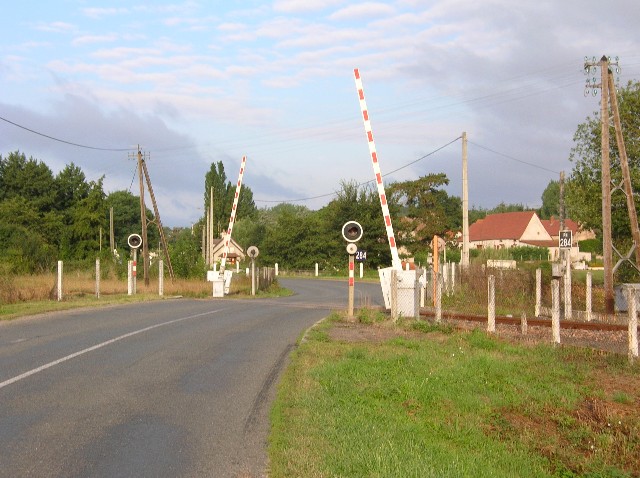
(198, 82)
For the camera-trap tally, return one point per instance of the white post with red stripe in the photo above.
(227, 238)
(395, 259)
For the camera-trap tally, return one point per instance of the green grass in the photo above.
(447, 404)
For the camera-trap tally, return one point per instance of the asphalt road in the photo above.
(172, 388)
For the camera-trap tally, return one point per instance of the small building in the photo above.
(236, 253)
(522, 229)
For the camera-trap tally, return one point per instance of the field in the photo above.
(32, 294)
(377, 399)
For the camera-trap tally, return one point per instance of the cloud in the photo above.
(98, 13)
(303, 6)
(88, 39)
(55, 27)
(362, 11)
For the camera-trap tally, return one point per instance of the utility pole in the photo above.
(607, 246)
(626, 174)
(143, 220)
(210, 227)
(158, 222)
(465, 203)
(143, 174)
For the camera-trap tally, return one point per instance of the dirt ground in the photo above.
(606, 341)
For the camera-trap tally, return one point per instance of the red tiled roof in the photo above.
(553, 226)
(508, 225)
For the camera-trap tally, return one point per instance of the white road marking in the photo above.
(98, 346)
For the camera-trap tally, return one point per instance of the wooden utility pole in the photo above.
(156, 212)
(465, 203)
(624, 165)
(143, 220)
(607, 246)
(143, 174)
(210, 227)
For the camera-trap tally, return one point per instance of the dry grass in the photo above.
(33, 294)
(80, 284)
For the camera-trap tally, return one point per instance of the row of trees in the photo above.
(45, 217)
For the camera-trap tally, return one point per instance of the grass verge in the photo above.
(435, 402)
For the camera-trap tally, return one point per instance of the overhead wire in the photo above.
(53, 138)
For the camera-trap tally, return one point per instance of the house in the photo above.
(235, 254)
(522, 229)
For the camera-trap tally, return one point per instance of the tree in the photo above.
(583, 190)
(186, 259)
(427, 210)
(29, 179)
(71, 187)
(126, 218)
(551, 201)
(84, 219)
(223, 196)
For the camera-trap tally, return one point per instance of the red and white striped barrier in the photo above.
(395, 259)
(227, 238)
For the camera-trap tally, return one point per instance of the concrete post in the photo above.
(160, 277)
(97, 278)
(438, 281)
(589, 306)
(538, 292)
(316, 269)
(555, 310)
(491, 316)
(59, 283)
(568, 312)
(130, 277)
(633, 324)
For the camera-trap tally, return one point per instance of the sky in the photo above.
(193, 83)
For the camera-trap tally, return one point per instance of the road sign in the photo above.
(361, 255)
(566, 239)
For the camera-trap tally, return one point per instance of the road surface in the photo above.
(172, 388)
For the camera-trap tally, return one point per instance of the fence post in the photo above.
(589, 307)
(276, 268)
(568, 312)
(538, 292)
(453, 277)
(59, 283)
(438, 279)
(491, 290)
(633, 324)
(555, 310)
(445, 277)
(523, 324)
(97, 278)
(130, 277)
(394, 294)
(161, 277)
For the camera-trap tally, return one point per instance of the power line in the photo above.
(365, 182)
(62, 140)
(514, 159)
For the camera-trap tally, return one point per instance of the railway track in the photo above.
(534, 321)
